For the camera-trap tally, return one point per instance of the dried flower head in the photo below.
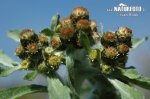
(66, 32)
(80, 13)
(54, 61)
(124, 33)
(110, 52)
(83, 24)
(43, 39)
(32, 48)
(26, 34)
(123, 48)
(109, 37)
(66, 21)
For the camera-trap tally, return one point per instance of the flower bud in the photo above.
(42, 68)
(43, 39)
(54, 61)
(79, 13)
(25, 64)
(110, 53)
(105, 69)
(83, 25)
(93, 25)
(66, 32)
(123, 48)
(32, 48)
(55, 42)
(108, 39)
(93, 55)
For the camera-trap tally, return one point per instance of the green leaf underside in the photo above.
(133, 76)
(126, 91)
(16, 92)
(54, 21)
(56, 90)
(9, 70)
(31, 75)
(6, 60)
(84, 40)
(138, 42)
(14, 34)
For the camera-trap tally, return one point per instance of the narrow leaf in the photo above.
(31, 75)
(56, 90)
(54, 21)
(9, 70)
(126, 91)
(13, 93)
(14, 34)
(84, 41)
(138, 42)
(6, 60)
(131, 75)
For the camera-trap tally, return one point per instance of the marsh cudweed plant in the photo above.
(95, 62)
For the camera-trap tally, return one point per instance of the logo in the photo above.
(125, 10)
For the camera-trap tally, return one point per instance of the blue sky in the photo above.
(36, 14)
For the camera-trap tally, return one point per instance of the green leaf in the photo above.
(14, 34)
(138, 42)
(47, 32)
(126, 91)
(9, 70)
(84, 41)
(6, 60)
(131, 75)
(31, 75)
(16, 92)
(56, 90)
(54, 21)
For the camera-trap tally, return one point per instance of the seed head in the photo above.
(110, 53)
(32, 48)
(66, 32)
(55, 42)
(80, 13)
(123, 48)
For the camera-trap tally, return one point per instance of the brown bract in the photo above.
(43, 38)
(66, 21)
(93, 25)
